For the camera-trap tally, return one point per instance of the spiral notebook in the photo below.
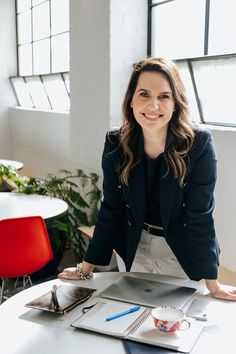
(137, 326)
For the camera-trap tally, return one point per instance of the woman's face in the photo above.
(153, 103)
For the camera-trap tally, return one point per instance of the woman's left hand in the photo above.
(217, 291)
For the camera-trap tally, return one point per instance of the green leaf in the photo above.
(81, 216)
(76, 198)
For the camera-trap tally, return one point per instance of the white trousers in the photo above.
(153, 255)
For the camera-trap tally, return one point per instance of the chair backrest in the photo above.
(24, 246)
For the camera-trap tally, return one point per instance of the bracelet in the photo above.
(81, 274)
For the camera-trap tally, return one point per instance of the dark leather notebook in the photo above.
(207, 336)
(61, 299)
(142, 348)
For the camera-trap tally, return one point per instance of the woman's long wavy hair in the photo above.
(180, 125)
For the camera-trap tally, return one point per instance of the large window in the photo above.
(199, 36)
(43, 54)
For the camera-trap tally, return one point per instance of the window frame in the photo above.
(41, 78)
(40, 75)
(191, 60)
(50, 37)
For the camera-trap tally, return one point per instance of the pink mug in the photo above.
(169, 319)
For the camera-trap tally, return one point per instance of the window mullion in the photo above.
(195, 90)
(207, 20)
(50, 24)
(40, 77)
(32, 45)
(149, 28)
(17, 38)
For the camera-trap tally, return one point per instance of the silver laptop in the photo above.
(148, 292)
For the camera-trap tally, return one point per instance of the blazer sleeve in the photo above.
(199, 206)
(111, 212)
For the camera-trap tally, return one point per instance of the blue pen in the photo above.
(133, 309)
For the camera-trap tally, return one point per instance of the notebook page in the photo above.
(95, 318)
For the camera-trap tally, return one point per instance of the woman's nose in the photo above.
(153, 104)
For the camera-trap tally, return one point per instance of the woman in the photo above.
(159, 177)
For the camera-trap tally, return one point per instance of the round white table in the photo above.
(30, 331)
(16, 164)
(13, 205)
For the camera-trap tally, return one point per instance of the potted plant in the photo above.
(80, 191)
(10, 179)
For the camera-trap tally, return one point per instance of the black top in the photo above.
(153, 176)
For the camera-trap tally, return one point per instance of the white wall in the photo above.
(41, 140)
(106, 38)
(89, 77)
(225, 195)
(128, 44)
(7, 69)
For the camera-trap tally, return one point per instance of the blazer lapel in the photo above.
(135, 193)
(168, 188)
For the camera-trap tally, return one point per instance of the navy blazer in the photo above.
(186, 211)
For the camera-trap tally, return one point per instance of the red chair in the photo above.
(24, 248)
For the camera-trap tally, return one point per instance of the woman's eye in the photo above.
(144, 94)
(164, 97)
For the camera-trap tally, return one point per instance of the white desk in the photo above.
(16, 164)
(13, 205)
(25, 331)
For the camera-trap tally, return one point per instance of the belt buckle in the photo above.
(148, 228)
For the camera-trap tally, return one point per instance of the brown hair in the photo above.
(180, 125)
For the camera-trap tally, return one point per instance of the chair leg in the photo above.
(2, 290)
(27, 279)
(16, 282)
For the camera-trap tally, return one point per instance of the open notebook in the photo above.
(137, 326)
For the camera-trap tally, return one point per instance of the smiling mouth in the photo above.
(152, 117)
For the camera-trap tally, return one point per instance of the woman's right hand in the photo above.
(72, 272)
(69, 273)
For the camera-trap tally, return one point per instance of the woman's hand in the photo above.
(69, 273)
(72, 272)
(217, 291)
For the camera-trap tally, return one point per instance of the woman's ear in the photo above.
(131, 104)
